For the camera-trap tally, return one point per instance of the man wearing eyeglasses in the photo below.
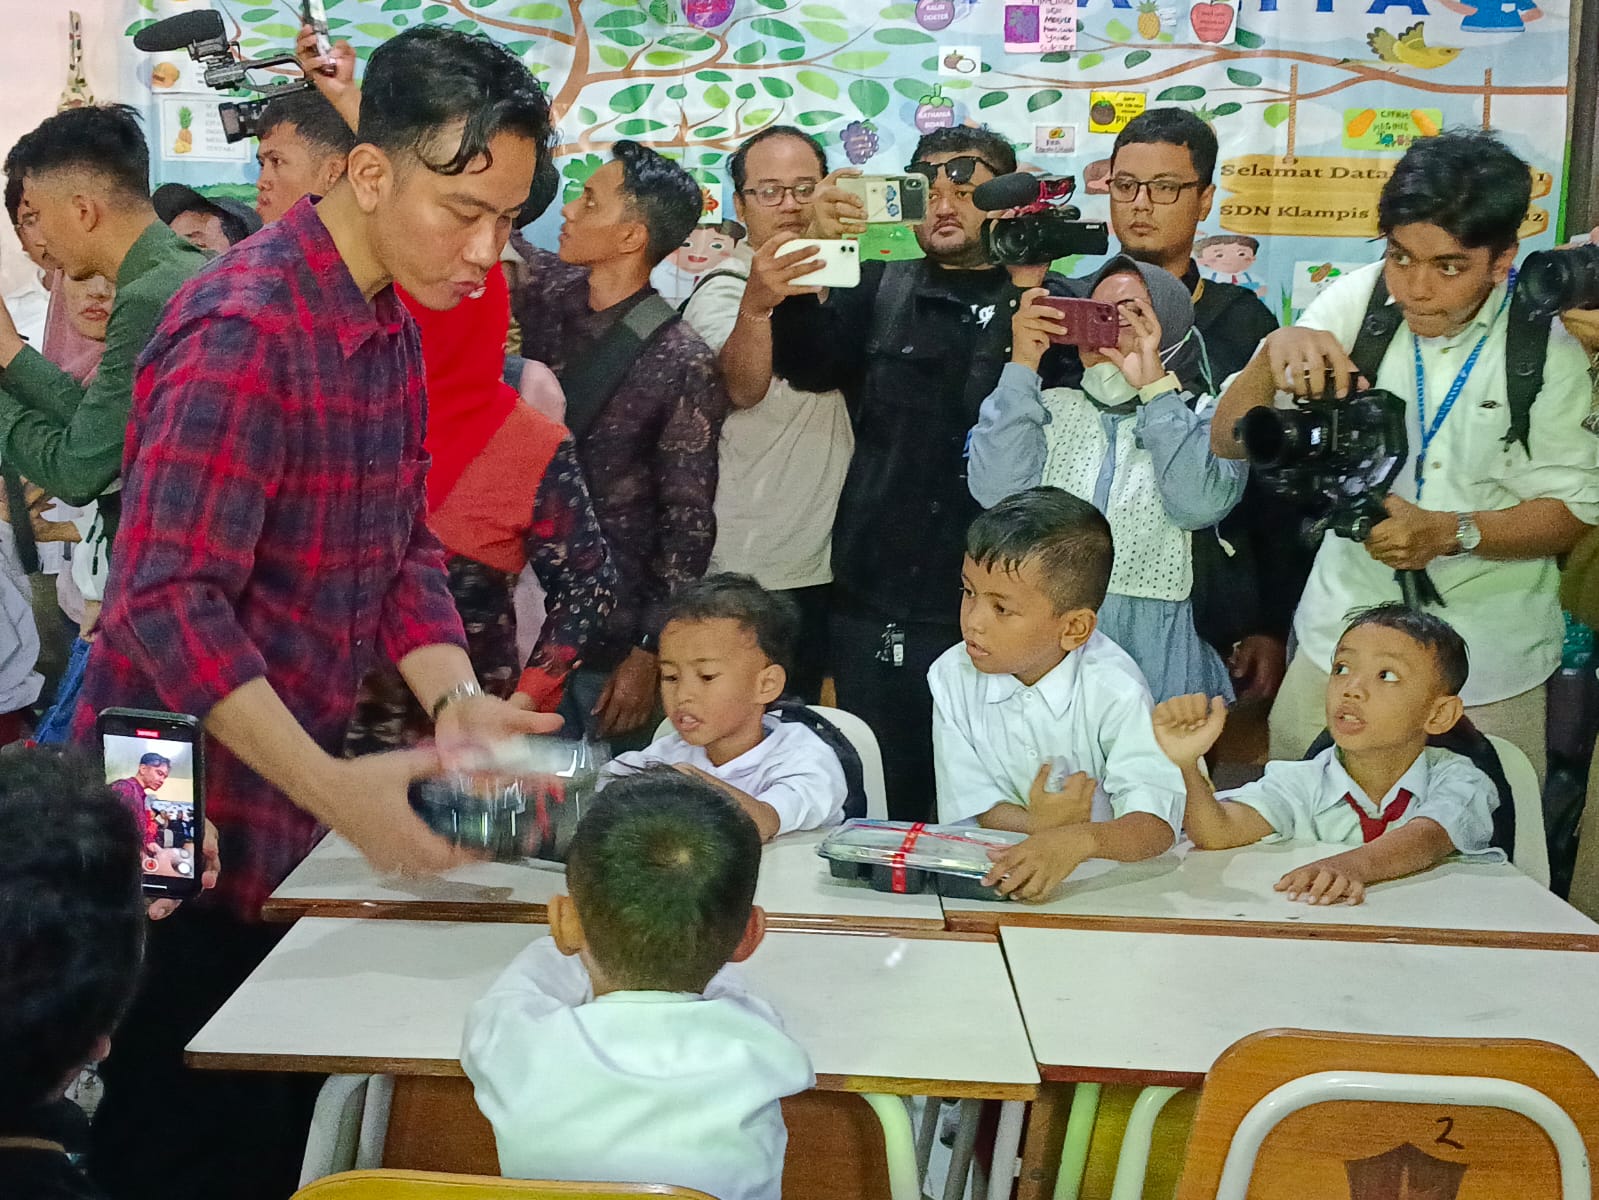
(784, 450)
(915, 349)
(1250, 570)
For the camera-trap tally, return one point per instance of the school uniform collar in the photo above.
(642, 997)
(1057, 687)
(1414, 781)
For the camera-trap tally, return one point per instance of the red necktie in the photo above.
(1371, 828)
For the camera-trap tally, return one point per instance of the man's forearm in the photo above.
(1254, 388)
(1131, 837)
(431, 671)
(1541, 528)
(746, 359)
(253, 722)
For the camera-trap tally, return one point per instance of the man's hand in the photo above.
(772, 275)
(1026, 276)
(1031, 329)
(1304, 361)
(629, 694)
(834, 212)
(333, 75)
(1411, 537)
(1326, 881)
(476, 721)
(1033, 869)
(370, 806)
(1072, 805)
(211, 854)
(1186, 727)
(1258, 664)
(1141, 365)
(1583, 324)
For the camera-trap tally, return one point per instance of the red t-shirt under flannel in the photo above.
(273, 519)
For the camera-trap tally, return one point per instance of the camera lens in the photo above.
(1551, 281)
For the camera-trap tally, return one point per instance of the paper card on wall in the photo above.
(1054, 139)
(960, 60)
(1044, 26)
(191, 129)
(1214, 22)
(1313, 277)
(1389, 128)
(1109, 112)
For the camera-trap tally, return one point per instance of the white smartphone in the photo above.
(841, 262)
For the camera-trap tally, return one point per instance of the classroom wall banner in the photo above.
(1313, 101)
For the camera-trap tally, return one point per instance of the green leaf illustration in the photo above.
(758, 116)
(587, 115)
(378, 33)
(826, 31)
(780, 88)
(1042, 99)
(870, 97)
(750, 53)
(431, 13)
(745, 91)
(258, 14)
(620, 20)
(1136, 57)
(992, 98)
(1057, 56)
(790, 53)
(665, 58)
(637, 126)
(626, 37)
(824, 12)
(716, 97)
(713, 76)
(898, 12)
(677, 92)
(1226, 110)
(1183, 91)
(1090, 60)
(631, 99)
(661, 12)
(815, 81)
(1117, 32)
(902, 37)
(611, 56)
(1246, 79)
(772, 27)
(537, 12)
(860, 60)
(913, 90)
(1250, 41)
(711, 130)
(688, 41)
(1275, 114)
(818, 117)
(396, 5)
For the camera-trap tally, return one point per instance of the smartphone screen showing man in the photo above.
(150, 765)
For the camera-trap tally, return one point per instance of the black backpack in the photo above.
(799, 713)
(1466, 740)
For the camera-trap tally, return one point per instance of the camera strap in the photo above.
(592, 382)
(1429, 430)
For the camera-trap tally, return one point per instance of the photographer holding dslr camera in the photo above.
(1496, 480)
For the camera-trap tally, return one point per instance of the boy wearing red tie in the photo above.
(1404, 805)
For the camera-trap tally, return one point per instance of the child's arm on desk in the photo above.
(1031, 870)
(763, 814)
(1185, 728)
(1414, 846)
(1071, 805)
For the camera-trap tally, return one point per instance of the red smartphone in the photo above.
(1090, 324)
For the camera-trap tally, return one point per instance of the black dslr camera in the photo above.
(1334, 460)
(1045, 227)
(1552, 281)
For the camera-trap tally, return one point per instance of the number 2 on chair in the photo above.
(1443, 1139)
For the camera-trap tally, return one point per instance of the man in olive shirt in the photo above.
(85, 173)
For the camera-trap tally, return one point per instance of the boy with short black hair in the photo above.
(725, 652)
(72, 926)
(621, 1048)
(1034, 682)
(1396, 680)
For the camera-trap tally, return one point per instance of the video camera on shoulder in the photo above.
(1044, 226)
(203, 34)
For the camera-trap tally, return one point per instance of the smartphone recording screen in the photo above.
(154, 778)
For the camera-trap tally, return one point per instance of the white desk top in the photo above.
(391, 996)
(1221, 891)
(1155, 1008)
(795, 889)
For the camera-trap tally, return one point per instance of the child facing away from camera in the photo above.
(621, 1048)
(1035, 688)
(724, 654)
(1396, 680)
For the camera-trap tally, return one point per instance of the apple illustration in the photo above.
(936, 111)
(707, 14)
(935, 14)
(1211, 22)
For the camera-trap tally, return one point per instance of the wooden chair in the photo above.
(427, 1185)
(1308, 1114)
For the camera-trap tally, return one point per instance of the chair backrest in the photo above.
(859, 734)
(426, 1185)
(1303, 1113)
(1532, 848)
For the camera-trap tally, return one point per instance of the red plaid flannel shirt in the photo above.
(273, 520)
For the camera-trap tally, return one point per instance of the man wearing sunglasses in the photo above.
(915, 349)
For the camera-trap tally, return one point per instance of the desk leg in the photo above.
(1132, 1163)
(1041, 1141)
(1079, 1134)
(1007, 1144)
(899, 1145)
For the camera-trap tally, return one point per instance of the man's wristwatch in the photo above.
(467, 687)
(1467, 534)
(648, 642)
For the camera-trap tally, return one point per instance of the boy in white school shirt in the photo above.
(1396, 680)
(724, 652)
(621, 1048)
(1033, 681)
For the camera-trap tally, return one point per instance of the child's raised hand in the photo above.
(1141, 365)
(1322, 882)
(1186, 727)
(1071, 804)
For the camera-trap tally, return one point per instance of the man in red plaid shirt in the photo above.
(273, 548)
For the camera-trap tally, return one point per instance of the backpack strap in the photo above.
(800, 713)
(719, 273)
(1377, 329)
(1526, 345)
(590, 383)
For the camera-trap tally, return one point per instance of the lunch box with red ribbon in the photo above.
(910, 857)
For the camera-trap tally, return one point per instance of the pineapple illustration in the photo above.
(184, 142)
(1148, 21)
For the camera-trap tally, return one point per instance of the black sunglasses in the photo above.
(959, 170)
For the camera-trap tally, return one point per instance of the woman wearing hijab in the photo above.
(1128, 441)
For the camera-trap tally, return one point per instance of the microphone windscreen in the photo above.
(1008, 191)
(183, 30)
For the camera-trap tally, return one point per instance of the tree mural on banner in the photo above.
(1307, 84)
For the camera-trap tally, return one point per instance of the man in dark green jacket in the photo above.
(86, 180)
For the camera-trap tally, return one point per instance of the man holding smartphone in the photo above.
(274, 548)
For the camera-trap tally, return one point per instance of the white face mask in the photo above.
(1105, 383)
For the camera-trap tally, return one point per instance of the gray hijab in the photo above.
(1174, 309)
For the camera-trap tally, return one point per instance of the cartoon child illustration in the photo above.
(1227, 257)
(703, 250)
(1495, 16)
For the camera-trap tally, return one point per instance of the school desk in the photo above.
(1229, 892)
(795, 889)
(1157, 1009)
(885, 1016)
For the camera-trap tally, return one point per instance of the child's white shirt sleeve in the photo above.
(1461, 798)
(1286, 796)
(799, 776)
(963, 785)
(1138, 775)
